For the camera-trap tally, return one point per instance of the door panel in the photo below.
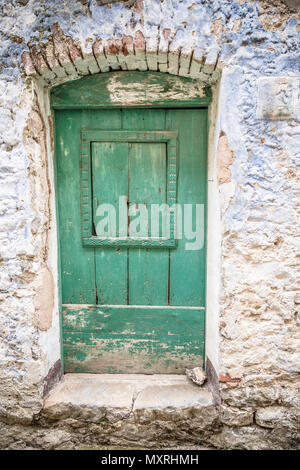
(110, 180)
(77, 272)
(127, 339)
(148, 269)
(111, 264)
(136, 309)
(187, 267)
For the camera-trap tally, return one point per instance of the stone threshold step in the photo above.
(94, 397)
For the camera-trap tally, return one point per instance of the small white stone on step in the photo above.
(197, 375)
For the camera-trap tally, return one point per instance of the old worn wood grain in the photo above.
(126, 338)
(77, 262)
(130, 89)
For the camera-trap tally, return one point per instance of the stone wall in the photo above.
(248, 51)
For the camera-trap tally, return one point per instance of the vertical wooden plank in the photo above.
(187, 267)
(133, 339)
(78, 284)
(111, 263)
(147, 268)
(147, 178)
(110, 181)
(110, 178)
(147, 184)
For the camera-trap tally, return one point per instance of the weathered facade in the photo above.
(248, 53)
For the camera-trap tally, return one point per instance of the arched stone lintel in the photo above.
(61, 59)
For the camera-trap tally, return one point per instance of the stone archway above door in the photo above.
(61, 59)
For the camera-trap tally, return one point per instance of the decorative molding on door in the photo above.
(91, 136)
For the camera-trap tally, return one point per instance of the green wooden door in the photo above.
(131, 302)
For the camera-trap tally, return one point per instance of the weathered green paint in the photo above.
(148, 270)
(111, 265)
(129, 309)
(188, 267)
(78, 263)
(132, 339)
(130, 89)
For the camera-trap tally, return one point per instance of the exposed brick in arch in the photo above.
(62, 59)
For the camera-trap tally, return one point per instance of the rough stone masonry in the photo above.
(248, 51)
